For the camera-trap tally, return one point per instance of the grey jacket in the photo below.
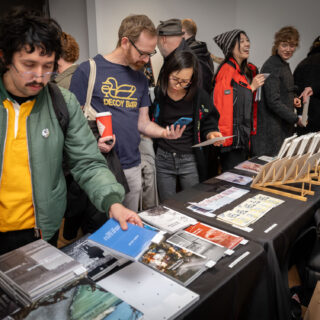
(276, 116)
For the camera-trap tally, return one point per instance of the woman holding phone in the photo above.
(235, 82)
(179, 97)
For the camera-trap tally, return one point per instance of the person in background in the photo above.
(66, 63)
(32, 185)
(200, 49)
(276, 110)
(121, 88)
(234, 86)
(307, 75)
(178, 95)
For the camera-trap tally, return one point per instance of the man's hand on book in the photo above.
(123, 215)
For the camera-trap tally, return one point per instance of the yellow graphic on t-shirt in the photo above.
(118, 95)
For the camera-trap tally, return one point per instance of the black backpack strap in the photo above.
(59, 106)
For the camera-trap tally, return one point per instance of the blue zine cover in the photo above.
(130, 243)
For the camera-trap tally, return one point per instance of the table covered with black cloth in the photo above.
(284, 222)
(227, 291)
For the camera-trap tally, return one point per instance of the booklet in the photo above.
(304, 118)
(81, 300)
(166, 219)
(249, 166)
(215, 235)
(210, 141)
(128, 243)
(234, 178)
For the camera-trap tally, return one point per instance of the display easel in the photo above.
(277, 187)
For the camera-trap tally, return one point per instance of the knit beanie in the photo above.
(224, 40)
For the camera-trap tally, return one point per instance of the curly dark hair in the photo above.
(21, 28)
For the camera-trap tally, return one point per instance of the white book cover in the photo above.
(166, 219)
(154, 294)
(285, 145)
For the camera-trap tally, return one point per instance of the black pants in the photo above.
(14, 239)
(231, 158)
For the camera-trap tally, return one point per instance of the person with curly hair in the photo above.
(66, 63)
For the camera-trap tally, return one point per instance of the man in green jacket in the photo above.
(32, 184)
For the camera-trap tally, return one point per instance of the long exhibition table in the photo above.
(275, 232)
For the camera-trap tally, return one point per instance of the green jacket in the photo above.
(85, 161)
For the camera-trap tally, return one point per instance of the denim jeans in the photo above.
(133, 176)
(171, 166)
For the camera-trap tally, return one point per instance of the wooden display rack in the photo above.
(279, 185)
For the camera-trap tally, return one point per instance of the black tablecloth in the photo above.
(228, 292)
(288, 220)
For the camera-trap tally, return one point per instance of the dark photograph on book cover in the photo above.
(173, 261)
(92, 257)
(82, 300)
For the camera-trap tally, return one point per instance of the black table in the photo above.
(226, 291)
(286, 222)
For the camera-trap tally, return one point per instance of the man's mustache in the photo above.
(35, 83)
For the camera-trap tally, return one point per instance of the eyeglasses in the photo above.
(29, 75)
(143, 54)
(288, 45)
(183, 83)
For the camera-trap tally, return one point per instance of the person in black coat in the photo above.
(307, 74)
(276, 117)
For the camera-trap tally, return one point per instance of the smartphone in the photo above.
(182, 121)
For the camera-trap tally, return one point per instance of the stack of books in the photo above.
(35, 270)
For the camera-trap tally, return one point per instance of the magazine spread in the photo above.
(250, 210)
(218, 200)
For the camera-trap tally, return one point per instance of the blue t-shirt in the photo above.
(122, 91)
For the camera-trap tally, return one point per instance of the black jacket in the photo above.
(205, 117)
(276, 117)
(307, 74)
(205, 62)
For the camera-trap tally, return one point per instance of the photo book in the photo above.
(182, 256)
(129, 243)
(83, 299)
(156, 296)
(96, 259)
(249, 166)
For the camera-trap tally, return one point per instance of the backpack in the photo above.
(59, 106)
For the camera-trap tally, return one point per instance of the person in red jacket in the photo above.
(233, 96)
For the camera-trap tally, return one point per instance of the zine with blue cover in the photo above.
(129, 243)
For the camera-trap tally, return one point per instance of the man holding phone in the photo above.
(122, 89)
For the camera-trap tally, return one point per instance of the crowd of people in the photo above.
(103, 176)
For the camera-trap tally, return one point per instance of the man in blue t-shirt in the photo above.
(122, 89)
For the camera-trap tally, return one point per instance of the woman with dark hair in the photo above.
(235, 82)
(179, 96)
(276, 110)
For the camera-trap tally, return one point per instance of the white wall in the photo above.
(259, 18)
(72, 16)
